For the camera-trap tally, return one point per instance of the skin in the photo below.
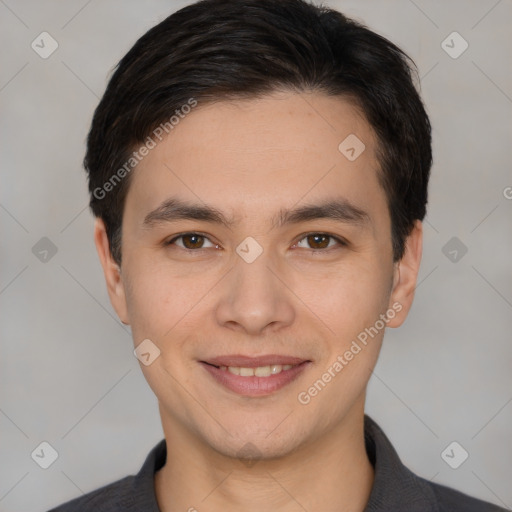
(249, 159)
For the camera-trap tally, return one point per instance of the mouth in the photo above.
(255, 376)
(259, 371)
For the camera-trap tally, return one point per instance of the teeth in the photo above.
(246, 372)
(260, 371)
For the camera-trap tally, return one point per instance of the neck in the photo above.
(331, 473)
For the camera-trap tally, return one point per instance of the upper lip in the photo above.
(253, 362)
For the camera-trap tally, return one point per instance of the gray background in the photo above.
(68, 375)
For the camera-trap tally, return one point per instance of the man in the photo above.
(259, 171)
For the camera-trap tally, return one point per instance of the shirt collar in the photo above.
(394, 487)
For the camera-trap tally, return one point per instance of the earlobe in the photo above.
(405, 276)
(111, 270)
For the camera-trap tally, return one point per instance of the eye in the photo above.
(320, 241)
(191, 241)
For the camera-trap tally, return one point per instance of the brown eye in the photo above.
(319, 241)
(191, 241)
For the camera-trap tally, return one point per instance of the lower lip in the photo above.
(255, 386)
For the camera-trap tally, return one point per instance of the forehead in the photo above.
(276, 150)
(305, 124)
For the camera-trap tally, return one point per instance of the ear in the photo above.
(112, 271)
(405, 276)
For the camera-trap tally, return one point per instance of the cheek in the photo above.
(155, 302)
(161, 309)
(350, 306)
(346, 299)
(168, 308)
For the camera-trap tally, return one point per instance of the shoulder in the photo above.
(397, 488)
(451, 500)
(130, 494)
(112, 497)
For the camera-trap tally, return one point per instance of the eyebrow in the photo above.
(339, 209)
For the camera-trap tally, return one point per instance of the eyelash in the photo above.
(339, 240)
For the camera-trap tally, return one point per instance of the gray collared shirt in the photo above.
(395, 488)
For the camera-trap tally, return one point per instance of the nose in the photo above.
(254, 298)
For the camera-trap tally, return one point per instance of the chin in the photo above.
(252, 448)
(265, 440)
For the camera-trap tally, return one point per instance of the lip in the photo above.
(253, 362)
(255, 386)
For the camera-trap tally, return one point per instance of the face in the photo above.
(257, 258)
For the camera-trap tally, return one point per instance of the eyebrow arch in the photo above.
(339, 209)
(175, 209)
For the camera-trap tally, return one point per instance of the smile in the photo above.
(254, 377)
(259, 371)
